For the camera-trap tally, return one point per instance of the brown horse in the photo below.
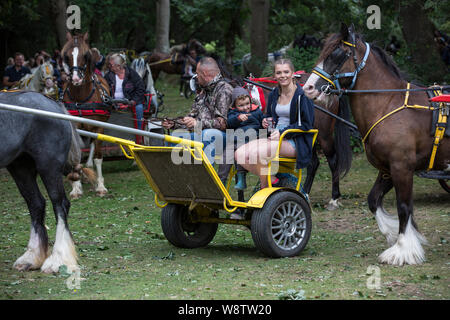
(395, 127)
(173, 62)
(159, 61)
(84, 95)
(333, 138)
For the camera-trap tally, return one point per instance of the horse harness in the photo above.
(86, 107)
(172, 60)
(443, 110)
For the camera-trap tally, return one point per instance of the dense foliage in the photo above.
(28, 25)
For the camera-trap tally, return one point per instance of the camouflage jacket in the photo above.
(211, 105)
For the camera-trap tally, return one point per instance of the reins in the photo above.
(334, 80)
(347, 91)
(348, 123)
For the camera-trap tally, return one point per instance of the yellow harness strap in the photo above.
(440, 130)
(404, 106)
(440, 127)
(324, 78)
(160, 61)
(348, 43)
(11, 90)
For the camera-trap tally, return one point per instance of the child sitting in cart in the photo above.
(245, 115)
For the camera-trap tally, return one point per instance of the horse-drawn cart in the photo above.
(191, 194)
(122, 112)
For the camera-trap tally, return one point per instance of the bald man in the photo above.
(209, 110)
(210, 107)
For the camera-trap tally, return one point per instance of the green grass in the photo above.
(124, 255)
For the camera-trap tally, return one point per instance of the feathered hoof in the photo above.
(102, 193)
(24, 267)
(333, 205)
(53, 263)
(29, 261)
(75, 196)
(402, 253)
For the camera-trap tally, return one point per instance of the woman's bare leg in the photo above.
(255, 155)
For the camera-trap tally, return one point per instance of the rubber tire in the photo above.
(175, 227)
(445, 185)
(261, 224)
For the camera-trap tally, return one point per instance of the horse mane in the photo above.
(334, 40)
(388, 61)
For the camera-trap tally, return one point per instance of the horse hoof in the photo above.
(404, 251)
(101, 194)
(333, 205)
(24, 267)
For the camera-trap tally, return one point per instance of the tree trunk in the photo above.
(258, 31)
(162, 25)
(59, 8)
(234, 29)
(418, 31)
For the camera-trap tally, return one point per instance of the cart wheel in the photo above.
(183, 233)
(445, 184)
(283, 226)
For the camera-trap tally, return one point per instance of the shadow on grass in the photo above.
(226, 251)
(439, 198)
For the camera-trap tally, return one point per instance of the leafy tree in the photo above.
(209, 20)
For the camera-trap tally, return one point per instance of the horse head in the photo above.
(45, 74)
(196, 45)
(78, 62)
(343, 56)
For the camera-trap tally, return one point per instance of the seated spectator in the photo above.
(246, 116)
(13, 74)
(99, 60)
(9, 63)
(37, 62)
(126, 83)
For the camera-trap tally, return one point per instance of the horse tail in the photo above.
(342, 140)
(74, 159)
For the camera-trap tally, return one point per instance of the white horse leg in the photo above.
(407, 250)
(333, 204)
(100, 189)
(35, 255)
(388, 225)
(63, 251)
(77, 190)
(89, 162)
